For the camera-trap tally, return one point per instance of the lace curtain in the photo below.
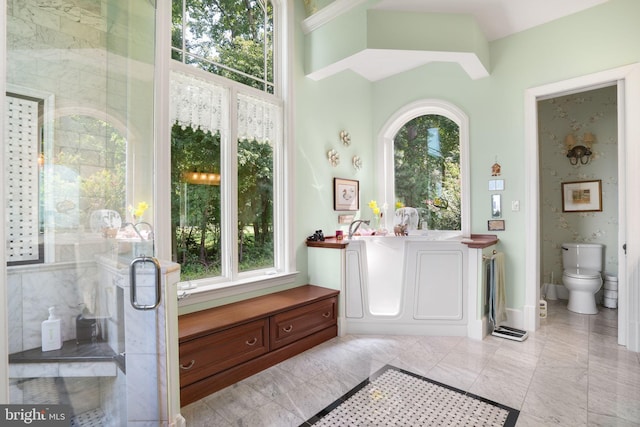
(198, 104)
(258, 119)
(202, 104)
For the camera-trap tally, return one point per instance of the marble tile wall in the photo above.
(59, 49)
(32, 290)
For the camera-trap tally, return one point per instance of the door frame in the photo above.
(627, 79)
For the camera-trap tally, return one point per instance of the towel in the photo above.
(498, 295)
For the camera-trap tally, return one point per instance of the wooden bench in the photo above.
(223, 345)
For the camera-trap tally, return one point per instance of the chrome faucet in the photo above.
(357, 223)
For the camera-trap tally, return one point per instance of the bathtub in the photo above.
(414, 284)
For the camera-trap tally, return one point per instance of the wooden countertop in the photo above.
(477, 241)
(329, 242)
(481, 241)
(194, 325)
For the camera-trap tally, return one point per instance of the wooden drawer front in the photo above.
(294, 324)
(216, 352)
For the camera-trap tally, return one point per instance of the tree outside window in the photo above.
(427, 170)
(232, 39)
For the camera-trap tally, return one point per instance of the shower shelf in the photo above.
(90, 359)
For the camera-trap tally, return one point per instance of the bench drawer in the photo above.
(210, 354)
(292, 325)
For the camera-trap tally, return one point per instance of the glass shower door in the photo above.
(78, 177)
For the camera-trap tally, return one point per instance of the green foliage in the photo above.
(105, 189)
(231, 38)
(196, 210)
(255, 204)
(103, 149)
(424, 173)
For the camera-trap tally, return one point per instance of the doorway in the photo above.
(627, 81)
(585, 122)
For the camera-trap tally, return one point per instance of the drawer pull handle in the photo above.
(288, 328)
(252, 342)
(327, 314)
(189, 366)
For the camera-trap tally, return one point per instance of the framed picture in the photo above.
(346, 194)
(582, 196)
(496, 225)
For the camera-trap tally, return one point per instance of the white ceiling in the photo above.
(497, 18)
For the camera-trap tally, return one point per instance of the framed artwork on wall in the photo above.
(582, 196)
(495, 225)
(346, 194)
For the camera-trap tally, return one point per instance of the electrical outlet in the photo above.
(515, 205)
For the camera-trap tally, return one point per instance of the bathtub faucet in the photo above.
(357, 223)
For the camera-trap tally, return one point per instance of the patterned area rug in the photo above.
(395, 397)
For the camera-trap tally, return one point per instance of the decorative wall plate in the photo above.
(334, 157)
(345, 138)
(356, 162)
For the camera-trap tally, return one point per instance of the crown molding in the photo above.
(328, 13)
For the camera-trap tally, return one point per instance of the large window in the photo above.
(424, 157)
(227, 141)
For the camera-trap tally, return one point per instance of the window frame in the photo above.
(385, 149)
(234, 282)
(266, 84)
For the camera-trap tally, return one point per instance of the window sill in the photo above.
(207, 293)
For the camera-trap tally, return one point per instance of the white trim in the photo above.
(328, 14)
(622, 208)
(285, 86)
(4, 317)
(208, 293)
(385, 150)
(284, 245)
(162, 197)
(628, 130)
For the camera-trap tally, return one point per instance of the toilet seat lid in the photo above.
(582, 273)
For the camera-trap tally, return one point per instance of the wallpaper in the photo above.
(592, 112)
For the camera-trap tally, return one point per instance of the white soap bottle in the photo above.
(51, 332)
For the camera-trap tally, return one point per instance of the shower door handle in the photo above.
(134, 288)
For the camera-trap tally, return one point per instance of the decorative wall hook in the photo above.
(345, 138)
(496, 169)
(356, 162)
(334, 157)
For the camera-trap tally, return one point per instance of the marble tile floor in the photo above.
(570, 372)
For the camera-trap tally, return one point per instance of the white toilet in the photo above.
(582, 275)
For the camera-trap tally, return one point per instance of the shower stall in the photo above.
(78, 182)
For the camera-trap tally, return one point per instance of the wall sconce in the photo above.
(577, 152)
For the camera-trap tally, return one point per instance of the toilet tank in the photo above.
(582, 255)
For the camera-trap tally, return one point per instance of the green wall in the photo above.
(597, 39)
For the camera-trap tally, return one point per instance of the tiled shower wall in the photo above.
(59, 50)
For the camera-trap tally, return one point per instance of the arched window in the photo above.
(425, 161)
